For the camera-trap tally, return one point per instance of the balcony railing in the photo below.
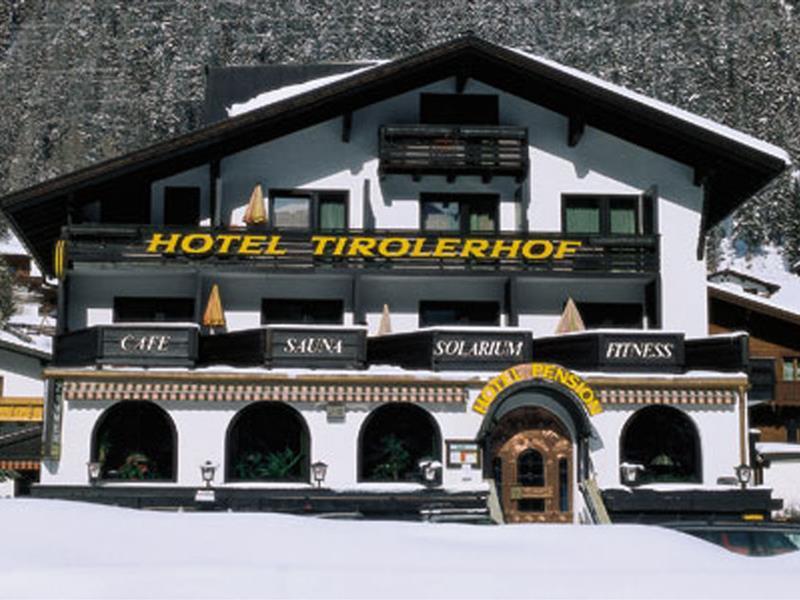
(453, 150)
(787, 392)
(404, 251)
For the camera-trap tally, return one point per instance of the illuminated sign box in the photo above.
(288, 346)
(610, 351)
(445, 349)
(134, 345)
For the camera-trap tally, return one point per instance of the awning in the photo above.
(20, 465)
(281, 392)
(653, 395)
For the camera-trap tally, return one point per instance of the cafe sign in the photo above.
(361, 246)
(545, 372)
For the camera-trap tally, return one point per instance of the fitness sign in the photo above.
(550, 373)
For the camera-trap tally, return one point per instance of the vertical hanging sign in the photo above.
(51, 442)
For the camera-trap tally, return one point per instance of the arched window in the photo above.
(530, 468)
(267, 441)
(135, 441)
(663, 442)
(393, 440)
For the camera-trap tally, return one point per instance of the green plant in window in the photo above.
(137, 466)
(395, 459)
(270, 465)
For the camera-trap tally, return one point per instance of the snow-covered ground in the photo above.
(56, 549)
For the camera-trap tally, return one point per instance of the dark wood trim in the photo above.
(576, 129)
(512, 301)
(357, 300)
(347, 126)
(213, 177)
(462, 77)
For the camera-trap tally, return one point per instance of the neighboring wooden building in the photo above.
(775, 337)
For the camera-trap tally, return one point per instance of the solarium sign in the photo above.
(392, 247)
(549, 373)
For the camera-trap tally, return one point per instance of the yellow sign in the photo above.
(543, 371)
(347, 246)
(21, 410)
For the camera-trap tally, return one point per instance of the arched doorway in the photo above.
(663, 442)
(267, 441)
(393, 440)
(135, 441)
(532, 463)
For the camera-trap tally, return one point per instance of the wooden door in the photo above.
(534, 469)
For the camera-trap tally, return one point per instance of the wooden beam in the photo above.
(213, 200)
(461, 81)
(577, 125)
(359, 314)
(512, 301)
(347, 126)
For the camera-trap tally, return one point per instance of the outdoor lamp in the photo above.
(430, 471)
(318, 471)
(93, 469)
(630, 472)
(743, 473)
(207, 472)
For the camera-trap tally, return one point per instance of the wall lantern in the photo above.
(207, 472)
(430, 469)
(318, 472)
(630, 472)
(93, 469)
(743, 474)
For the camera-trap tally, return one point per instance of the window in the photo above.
(302, 311)
(458, 109)
(607, 215)
(596, 315)
(393, 440)
(433, 313)
(664, 443)
(159, 310)
(314, 210)
(181, 206)
(530, 468)
(791, 368)
(464, 214)
(135, 441)
(268, 441)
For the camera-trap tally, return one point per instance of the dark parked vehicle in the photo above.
(748, 538)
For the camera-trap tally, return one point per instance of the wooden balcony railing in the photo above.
(787, 392)
(453, 150)
(414, 252)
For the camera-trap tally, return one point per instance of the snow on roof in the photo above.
(769, 448)
(770, 266)
(40, 344)
(712, 126)
(289, 91)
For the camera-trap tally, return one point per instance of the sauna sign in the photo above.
(548, 373)
(360, 246)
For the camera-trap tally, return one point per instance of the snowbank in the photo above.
(71, 550)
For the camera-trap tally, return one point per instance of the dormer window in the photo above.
(309, 210)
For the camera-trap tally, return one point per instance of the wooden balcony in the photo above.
(452, 150)
(787, 393)
(404, 252)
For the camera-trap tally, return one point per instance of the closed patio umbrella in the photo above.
(256, 213)
(214, 315)
(385, 325)
(570, 319)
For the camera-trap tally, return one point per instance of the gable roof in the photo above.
(732, 166)
(720, 275)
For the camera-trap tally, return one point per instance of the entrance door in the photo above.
(532, 457)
